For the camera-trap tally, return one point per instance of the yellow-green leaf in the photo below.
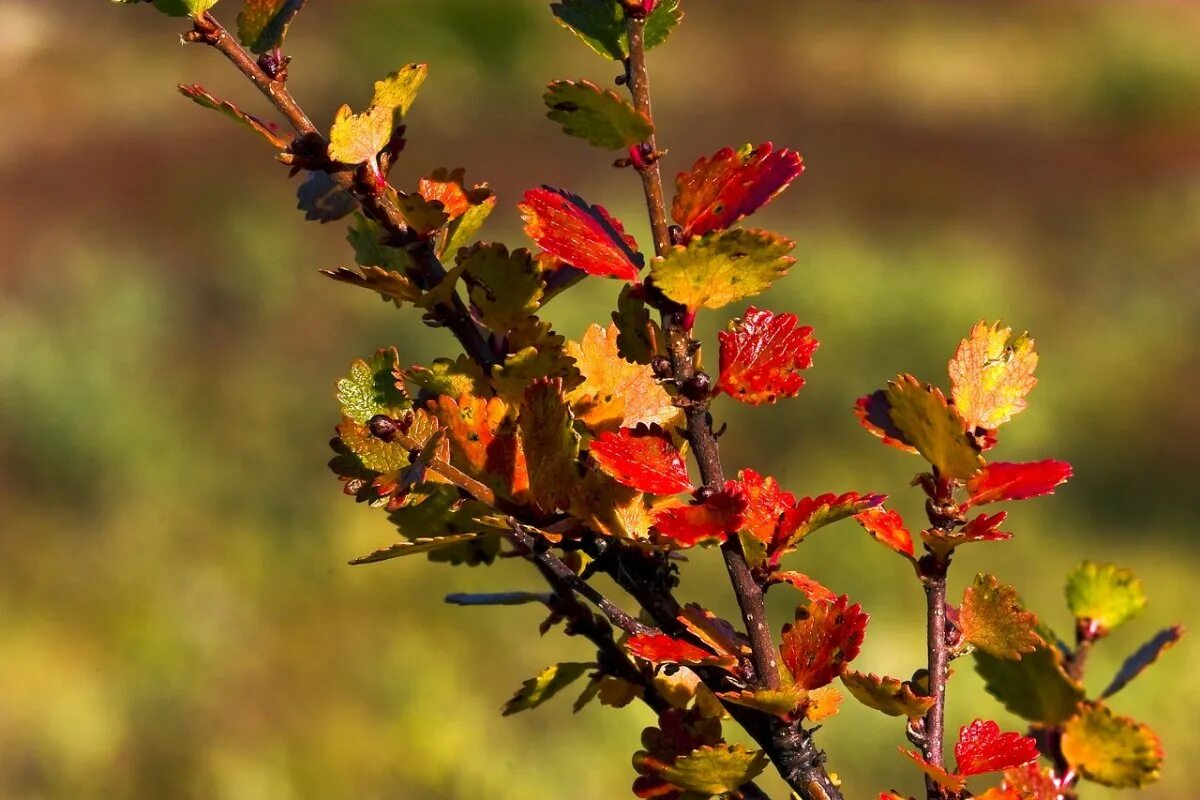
(989, 377)
(444, 376)
(992, 619)
(372, 388)
(715, 770)
(933, 426)
(600, 24)
(1104, 595)
(263, 24)
(721, 268)
(597, 115)
(547, 683)
(358, 138)
(506, 287)
(1036, 688)
(892, 696)
(414, 547)
(1110, 750)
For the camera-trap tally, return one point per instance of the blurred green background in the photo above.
(176, 616)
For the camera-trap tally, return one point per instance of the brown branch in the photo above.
(378, 206)
(939, 661)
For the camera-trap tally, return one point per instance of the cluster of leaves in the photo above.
(564, 452)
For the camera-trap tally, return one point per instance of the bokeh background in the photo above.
(176, 616)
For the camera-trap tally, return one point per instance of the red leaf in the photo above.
(813, 513)
(1006, 481)
(719, 191)
(709, 521)
(766, 505)
(659, 648)
(983, 748)
(984, 528)
(825, 636)
(642, 458)
(887, 528)
(762, 355)
(954, 783)
(581, 235)
(815, 591)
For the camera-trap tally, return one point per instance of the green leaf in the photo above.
(200, 97)
(892, 696)
(444, 376)
(1110, 750)
(461, 231)
(414, 547)
(600, 24)
(933, 426)
(437, 510)
(374, 454)
(178, 8)
(639, 335)
(263, 24)
(366, 237)
(1104, 595)
(507, 288)
(720, 769)
(992, 619)
(1036, 688)
(721, 268)
(549, 682)
(358, 138)
(600, 116)
(372, 388)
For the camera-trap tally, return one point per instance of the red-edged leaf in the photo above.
(985, 528)
(719, 191)
(983, 748)
(580, 235)
(659, 648)
(813, 513)
(825, 636)
(761, 356)
(814, 590)
(709, 521)
(642, 458)
(940, 776)
(1007, 481)
(887, 527)
(874, 413)
(766, 504)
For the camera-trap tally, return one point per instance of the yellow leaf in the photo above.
(993, 620)
(1110, 750)
(990, 377)
(933, 426)
(721, 268)
(358, 138)
(616, 393)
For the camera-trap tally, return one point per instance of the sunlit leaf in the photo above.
(709, 521)
(991, 618)
(505, 287)
(179, 8)
(892, 696)
(766, 505)
(581, 235)
(785, 702)
(358, 138)
(414, 547)
(1104, 595)
(549, 682)
(448, 377)
(551, 444)
(389, 284)
(715, 770)
(824, 637)
(810, 514)
(811, 588)
(1110, 750)
(616, 392)
(887, 527)
(535, 352)
(643, 458)
(1143, 657)
(1000, 481)
(761, 356)
(266, 130)
(991, 377)
(659, 648)
(931, 425)
(597, 115)
(732, 184)
(263, 24)
(722, 268)
(600, 24)
(983, 748)
(372, 387)
(466, 208)
(939, 775)
(609, 508)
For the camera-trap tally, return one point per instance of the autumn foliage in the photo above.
(574, 455)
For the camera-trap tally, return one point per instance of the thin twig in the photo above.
(939, 661)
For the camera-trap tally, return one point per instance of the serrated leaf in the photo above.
(616, 392)
(322, 199)
(467, 209)
(766, 503)
(659, 648)
(932, 426)
(939, 775)
(761, 356)
(1105, 595)
(373, 453)
(982, 748)
(810, 514)
(414, 547)
(600, 24)
(639, 338)
(482, 434)
(536, 352)
(811, 588)
(507, 288)
(366, 238)
(263, 24)
(825, 636)
(887, 527)
(456, 378)
(599, 116)
(643, 458)
(1001, 480)
(1143, 657)
(551, 444)
(992, 619)
(549, 682)
(716, 769)
(983, 528)
(722, 268)
(372, 388)
(990, 377)
(609, 508)
(785, 702)
(1036, 688)
(266, 130)
(358, 138)
(581, 235)
(1110, 750)
(709, 521)
(892, 696)
(731, 185)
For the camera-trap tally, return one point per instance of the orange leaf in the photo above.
(721, 190)
(616, 392)
(887, 528)
(809, 587)
(990, 377)
(711, 520)
(940, 776)
(766, 504)
(825, 636)
(659, 648)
